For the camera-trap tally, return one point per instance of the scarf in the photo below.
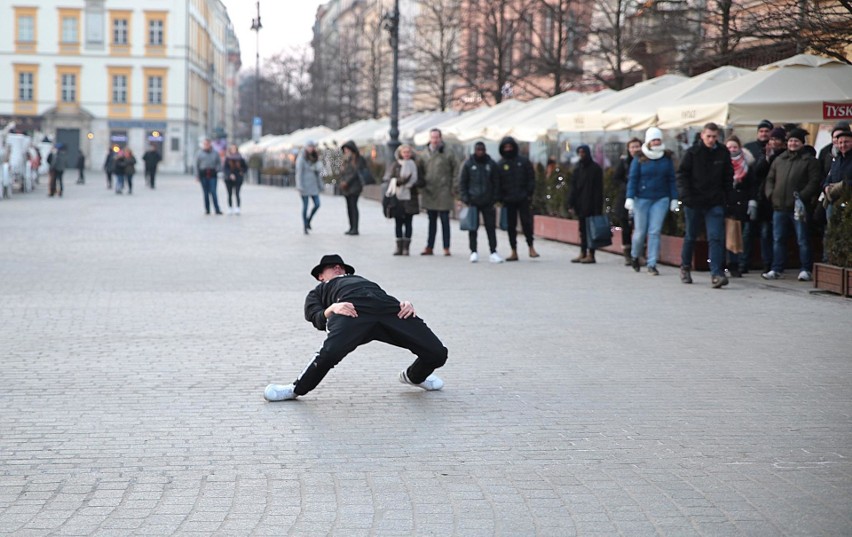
(740, 166)
(654, 153)
(407, 172)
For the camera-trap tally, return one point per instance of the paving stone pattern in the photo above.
(138, 334)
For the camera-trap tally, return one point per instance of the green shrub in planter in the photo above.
(838, 240)
(551, 191)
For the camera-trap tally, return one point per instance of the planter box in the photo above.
(565, 230)
(848, 290)
(832, 278)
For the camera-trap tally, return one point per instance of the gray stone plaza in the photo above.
(138, 335)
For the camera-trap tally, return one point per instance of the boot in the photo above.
(427, 251)
(405, 245)
(533, 253)
(447, 252)
(628, 257)
(514, 256)
(579, 258)
(398, 250)
(590, 258)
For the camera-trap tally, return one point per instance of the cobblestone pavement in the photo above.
(138, 334)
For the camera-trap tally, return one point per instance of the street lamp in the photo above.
(392, 26)
(256, 124)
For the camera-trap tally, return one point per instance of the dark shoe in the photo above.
(589, 259)
(652, 270)
(579, 258)
(447, 252)
(218, 212)
(533, 253)
(354, 232)
(628, 257)
(398, 250)
(718, 282)
(427, 251)
(406, 243)
(635, 264)
(735, 273)
(685, 275)
(513, 257)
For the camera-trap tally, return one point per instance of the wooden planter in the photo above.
(848, 278)
(832, 278)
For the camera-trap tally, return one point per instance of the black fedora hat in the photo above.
(331, 259)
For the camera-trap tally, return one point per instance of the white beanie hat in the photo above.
(653, 134)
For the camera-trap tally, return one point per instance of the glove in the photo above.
(673, 205)
(752, 210)
(628, 204)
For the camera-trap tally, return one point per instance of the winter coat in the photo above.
(478, 182)
(761, 170)
(207, 160)
(59, 161)
(151, 159)
(739, 196)
(350, 182)
(109, 163)
(409, 206)
(841, 166)
(516, 175)
(130, 167)
(235, 165)
(620, 180)
(440, 169)
(586, 197)
(792, 172)
(826, 157)
(704, 176)
(308, 175)
(652, 178)
(119, 165)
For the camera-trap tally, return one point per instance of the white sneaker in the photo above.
(279, 392)
(771, 275)
(804, 276)
(433, 382)
(474, 257)
(236, 210)
(495, 258)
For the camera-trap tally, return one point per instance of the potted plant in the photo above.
(836, 275)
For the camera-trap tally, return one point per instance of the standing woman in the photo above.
(235, 171)
(350, 183)
(309, 181)
(586, 198)
(404, 172)
(109, 167)
(130, 169)
(634, 148)
(651, 190)
(737, 206)
(119, 169)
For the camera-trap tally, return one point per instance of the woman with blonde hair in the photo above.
(403, 184)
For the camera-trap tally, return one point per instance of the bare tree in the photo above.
(435, 49)
(609, 45)
(551, 44)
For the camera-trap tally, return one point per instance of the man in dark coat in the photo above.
(517, 185)
(704, 181)
(757, 148)
(151, 158)
(478, 183)
(109, 167)
(586, 198)
(829, 152)
(354, 311)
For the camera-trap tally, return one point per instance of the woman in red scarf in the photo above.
(740, 205)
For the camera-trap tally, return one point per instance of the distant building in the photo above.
(102, 74)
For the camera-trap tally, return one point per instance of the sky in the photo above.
(286, 24)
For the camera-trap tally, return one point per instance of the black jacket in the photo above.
(704, 176)
(620, 180)
(151, 159)
(586, 197)
(516, 174)
(478, 182)
(367, 297)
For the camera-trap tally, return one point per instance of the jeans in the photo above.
(522, 209)
(648, 218)
(119, 182)
(208, 186)
(714, 221)
(433, 227)
(306, 218)
(490, 220)
(781, 221)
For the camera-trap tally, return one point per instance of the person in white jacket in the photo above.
(309, 181)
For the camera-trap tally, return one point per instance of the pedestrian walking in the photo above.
(350, 183)
(404, 180)
(152, 159)
(440, 169)
(309, 182)
(58, 162)
(740, 202)
(129, 169)
(625, 216)
(703, 183)
(81, 168)
(354, 311)
(478, 186)
(207, 165)
(119, 168)
(235, 172)
(651, 192)
(109, 167)
(586, 198)
(516, 179)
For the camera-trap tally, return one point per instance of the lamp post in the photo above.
(392, 26)
(257, 124)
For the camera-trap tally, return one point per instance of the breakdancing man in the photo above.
(356, 311)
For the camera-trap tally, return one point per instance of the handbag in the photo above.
(389, 205)
(598, 231)
(469, 219)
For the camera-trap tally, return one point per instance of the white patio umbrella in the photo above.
(591, 118)
(800, 89)
(450, 127)
(641, 113)
(542, 123)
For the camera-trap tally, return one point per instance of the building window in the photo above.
(155, 32)
(119, 31)
(26, 29)
(25, 86)
(69, 88)
(94, 27)
(69, 30)
(155, 90)
(119, 89)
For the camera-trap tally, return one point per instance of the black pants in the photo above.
(109, 179)
(129, 178)
(345, 334)
(490, 221)
(512, 211)
(233, 188)
(152, 176)
(352, 211)
(403, 225)
(433, 228)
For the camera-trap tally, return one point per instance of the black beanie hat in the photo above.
(765, 124)
(779, 133)
(799, 134)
